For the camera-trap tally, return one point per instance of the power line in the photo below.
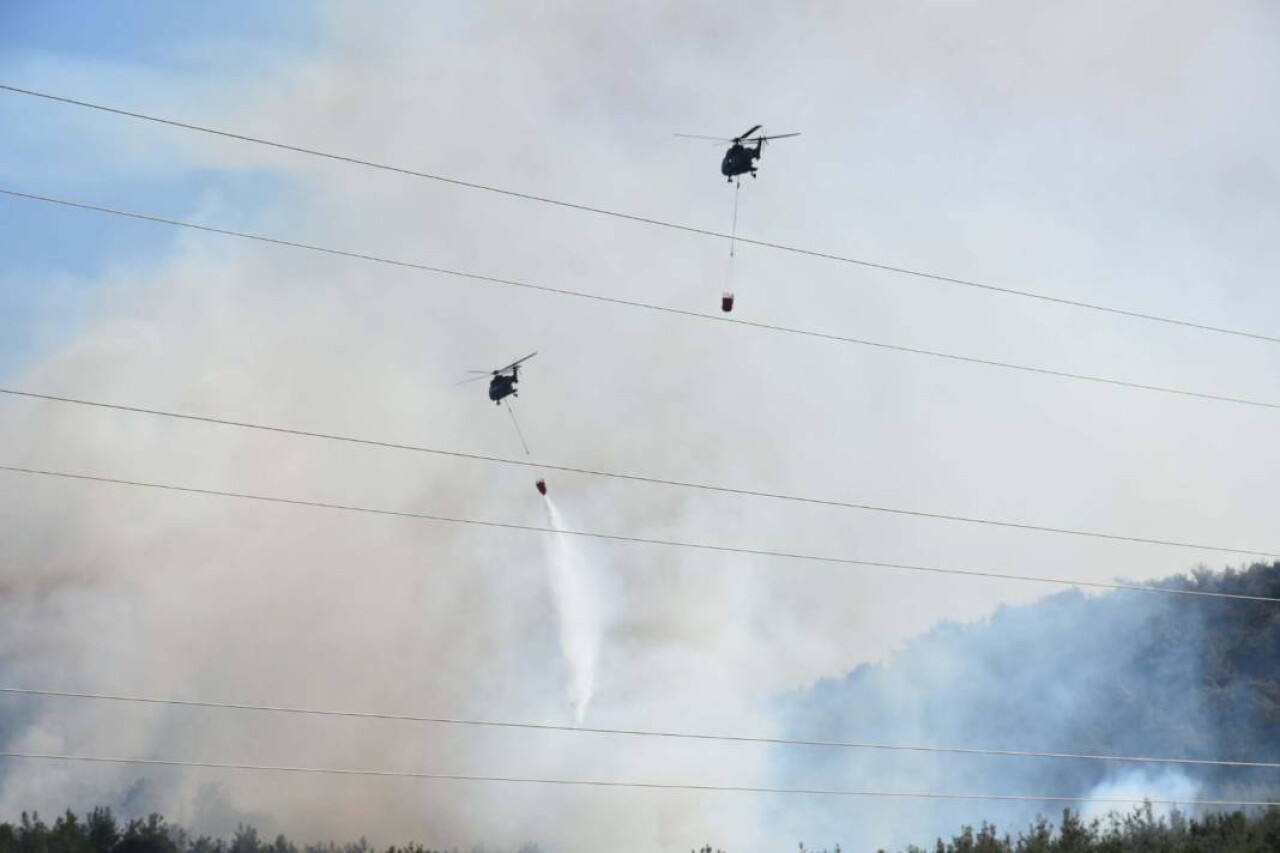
(898, 270)
(639, 540)
(601, 783)
(630, 303)
(694, 736)
(634, 478)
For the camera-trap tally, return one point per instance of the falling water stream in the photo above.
(577, 611)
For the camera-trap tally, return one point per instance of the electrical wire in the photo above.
(637, 478)
(600, 783)
(689, 229)
(720, 318)
(640, 540)
(671, 735)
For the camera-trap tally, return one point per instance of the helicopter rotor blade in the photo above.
(743, 136)
(485, 375)
(515, 363)
(694, 136)
(770, 138)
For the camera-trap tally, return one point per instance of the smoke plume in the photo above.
(1116, 153)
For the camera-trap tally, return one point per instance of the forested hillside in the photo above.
(1118, 673)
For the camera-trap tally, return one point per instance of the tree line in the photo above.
(1139, 831)
(99, 831)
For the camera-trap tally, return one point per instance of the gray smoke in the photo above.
(1119, 153)
(1119, 674)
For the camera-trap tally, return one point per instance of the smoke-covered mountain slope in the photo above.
(1122, 673)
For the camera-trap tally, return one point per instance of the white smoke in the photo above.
(126, 592)
(1163, 787)
(577, 611)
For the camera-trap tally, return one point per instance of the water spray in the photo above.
(577, 612)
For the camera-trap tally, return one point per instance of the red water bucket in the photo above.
(726, 303)
(542, 486)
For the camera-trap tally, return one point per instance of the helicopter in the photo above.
(503, 384)
(740, 158)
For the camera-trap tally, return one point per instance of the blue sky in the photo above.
(145, 31)
(70, 48)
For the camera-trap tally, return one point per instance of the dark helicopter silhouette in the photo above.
(503, 384)
(740, 158)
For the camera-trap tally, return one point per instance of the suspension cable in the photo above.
(640, 540)
(613, 300)
(673, 735)
(601, 783)
(473, 185)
